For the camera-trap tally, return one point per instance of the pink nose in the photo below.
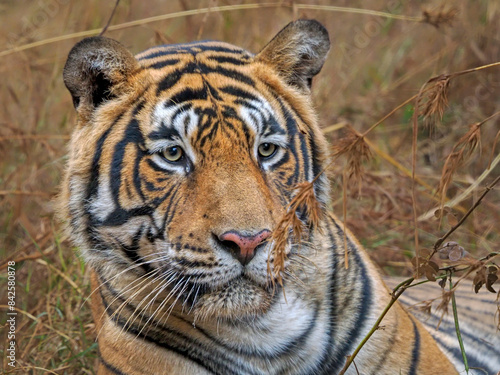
(243, 246)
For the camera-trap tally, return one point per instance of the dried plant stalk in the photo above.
(291, 229)
(459, 155)
(435, 100)
(356, 150)
(495, 142)
(440, 16)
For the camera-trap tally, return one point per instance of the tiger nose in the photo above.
(243, 246)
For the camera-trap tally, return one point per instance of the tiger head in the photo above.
(183, 160)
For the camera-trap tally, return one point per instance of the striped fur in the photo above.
(476, 317)
(170, 295)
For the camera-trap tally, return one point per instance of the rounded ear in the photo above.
(95, 68)
(298, 52)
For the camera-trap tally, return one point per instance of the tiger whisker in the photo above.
(141, 280)
(296, 280)
(172, 292)
(150, 303)
(128, 299)
(159, 288)
(186, 298)
(194, 299)
(128, 269)
(131, 297)
(170, 309)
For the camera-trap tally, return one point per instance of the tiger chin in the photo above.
(182, 162)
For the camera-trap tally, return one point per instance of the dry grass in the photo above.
(380, 57)
(290, 229)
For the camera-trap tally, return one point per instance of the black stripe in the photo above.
(292, 181)
(240, 60)
(213, 91)
(188, 94)
(132, 135)
(157, 168)
(291, 126)
(415, 353)
(173, 191)
(137, 178)
(164, 133)
(132, 251)
(272, 126)
(162, 64)
(94, 180)
(389, 348)
(328, 366)
(94, 171)
(204, 46)
(472, 360)
(199, 68)
(189, 48)
(230, 73)
(238, 92)
(120, 216)
(316, 163)
(447, 328)
(305, 157)
(338, 351)
(209, 135)
(169, 81)
(167, 131)
(108, 366)
(470, 340)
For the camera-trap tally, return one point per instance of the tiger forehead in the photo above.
(207, 88)
(203, 121)
(209, 52)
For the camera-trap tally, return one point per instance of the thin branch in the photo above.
(344, 209)
(110, 18)
(398, 290)
(440, 241)
(33, 137)
(368, 12)
(21, 192)
(389, 115)
(414, 171)
(462, 196)
(192, 12)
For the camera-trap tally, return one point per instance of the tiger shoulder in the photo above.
(182, 162)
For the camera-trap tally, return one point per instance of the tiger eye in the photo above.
(267, 149)
(173, 154)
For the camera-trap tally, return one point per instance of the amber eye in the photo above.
(173, 154)
(267, 150)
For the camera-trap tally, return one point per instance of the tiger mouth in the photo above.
(238, 299)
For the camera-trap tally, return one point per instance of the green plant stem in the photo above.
(396, 293)
(457, 327)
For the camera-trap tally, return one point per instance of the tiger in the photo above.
(182, 162)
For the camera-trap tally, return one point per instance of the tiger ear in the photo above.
(95, 71)
(298, 52)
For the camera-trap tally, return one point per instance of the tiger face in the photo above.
(183, 161)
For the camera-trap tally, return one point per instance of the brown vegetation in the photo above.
(380, 59)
